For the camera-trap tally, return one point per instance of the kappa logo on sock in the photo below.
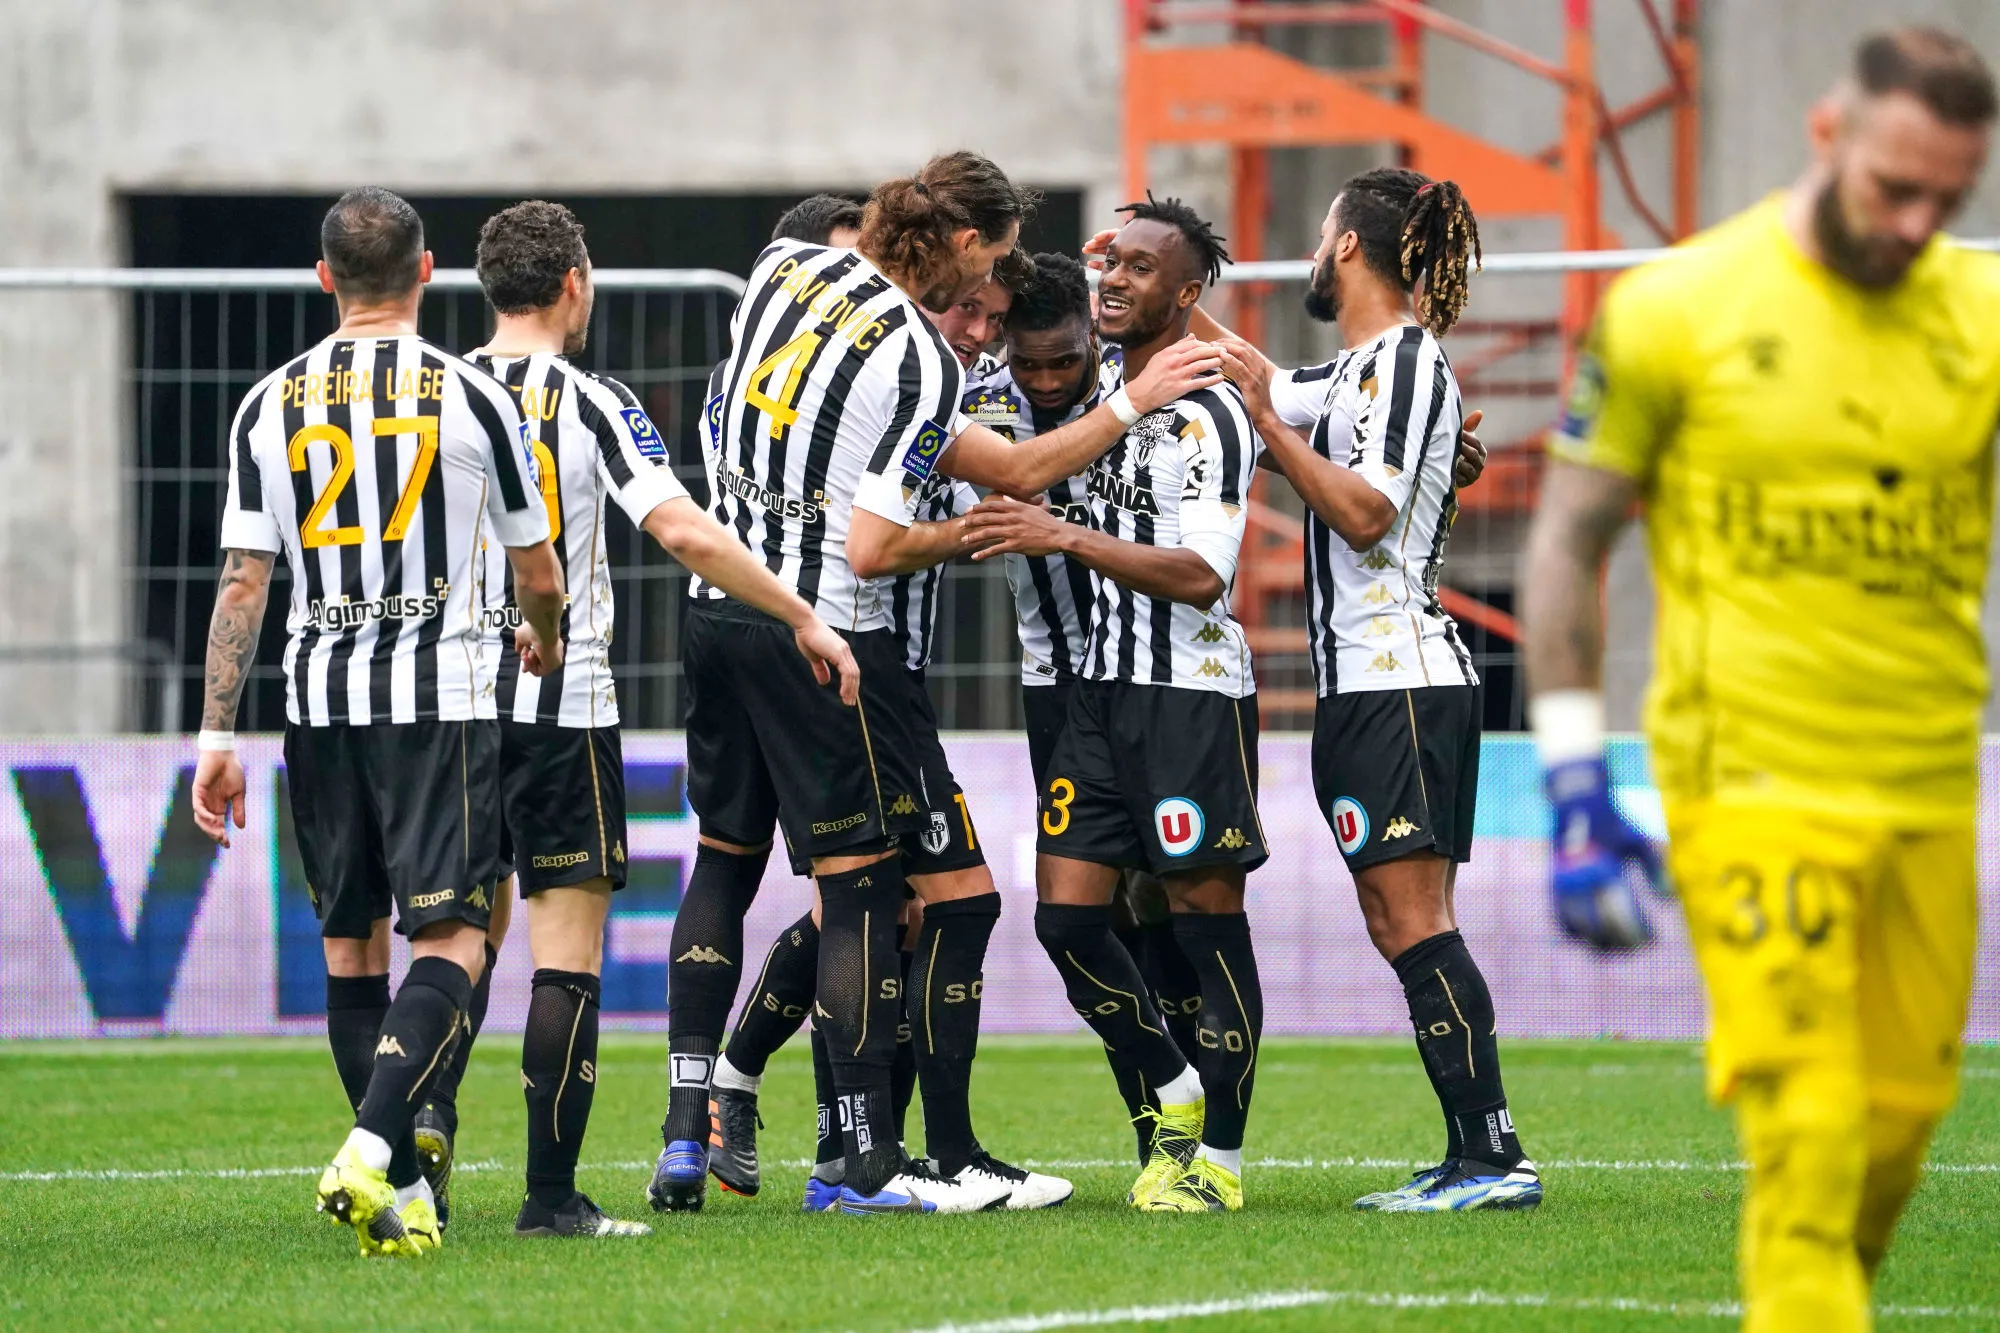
(390, 1046)
(701, 953)
(691, 1071)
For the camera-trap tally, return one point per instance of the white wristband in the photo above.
(216, 740)
(1569, 725)
(1121, 407)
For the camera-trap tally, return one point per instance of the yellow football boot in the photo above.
(1205, 1187)
(355, 1195)
(1176, 1134)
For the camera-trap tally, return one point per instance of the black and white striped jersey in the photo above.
(1390, 410)
(838, 394)
(1179, 477)
(913, 598)
(1053, 596)
(381, 467)
(590, 439)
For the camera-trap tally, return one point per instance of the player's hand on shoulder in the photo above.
(829, 655)
(537, 658)
(1248, 369)
(1001, 525)
(1471, 460)
(1174, 373)
(218, 793)
(1599, 859)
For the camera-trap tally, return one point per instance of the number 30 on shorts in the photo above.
(1055, 819)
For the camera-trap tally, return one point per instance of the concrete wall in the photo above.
(116, 95)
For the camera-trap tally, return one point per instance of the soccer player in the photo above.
(1155, 768)
(839, 401)
(562, 778)
(1804, 398)
(1396, 731)
(378, 463)
(823, 219)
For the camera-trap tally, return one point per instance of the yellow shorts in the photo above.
(1826, 940)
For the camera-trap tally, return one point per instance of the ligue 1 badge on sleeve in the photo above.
(922, 455)
(528, 455)
(645, 437)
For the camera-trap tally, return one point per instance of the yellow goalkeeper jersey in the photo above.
(1817, 465)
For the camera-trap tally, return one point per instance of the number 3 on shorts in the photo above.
(1055, 819)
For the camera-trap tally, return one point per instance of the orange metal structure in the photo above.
(1199, 72)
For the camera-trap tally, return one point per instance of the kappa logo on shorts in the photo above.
(1350, 824)
(903, 805)
(1232, 839)
(419, 901)
(1398, 827)
(938, 836)
(478, 898)
(1179, 823)
(560, 861)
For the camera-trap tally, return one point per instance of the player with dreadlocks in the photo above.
(1396, 731)
(1155, 768)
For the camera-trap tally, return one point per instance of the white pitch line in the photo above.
(1291, 1300)
(1066, 1164)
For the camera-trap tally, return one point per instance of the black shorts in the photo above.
(404, 815)
(1397, 771)
(1155, 778)
(949, 841)
(562, 791)
(1045, 709)
(766, 742)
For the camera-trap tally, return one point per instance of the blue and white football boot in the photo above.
(1466, 1185)
(1415, 1185)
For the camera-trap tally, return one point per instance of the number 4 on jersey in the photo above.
(779, 401)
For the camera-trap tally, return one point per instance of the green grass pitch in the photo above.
(1637, 1231)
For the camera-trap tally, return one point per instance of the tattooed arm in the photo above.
(233, 627)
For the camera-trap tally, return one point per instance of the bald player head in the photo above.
(1898, 146)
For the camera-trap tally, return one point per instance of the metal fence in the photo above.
(194, 341)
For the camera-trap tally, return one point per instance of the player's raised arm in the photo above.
(985, 458)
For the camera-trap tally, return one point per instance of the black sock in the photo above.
(903, 1071)
(354, 1010)
(1217, 946)
(1173, 981)
(421, 1024)
(859, 1001)
(1104, 987)
(558, 1077)
(944, 1013)
(1452, 1012)
(444, 1093)
(1131, 1083)
(780, 1000)
(706, 966)
(831, 1149)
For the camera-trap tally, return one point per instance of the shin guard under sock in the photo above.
(420, 1026)
(859, 1001)
(705, 968)
(1106, 990)
(1452, 1012)
(949, 978)
(781, 999)
(1217, 947)
(444, 1093)
(558, 1078)
(1172, 981)
(355, 1007)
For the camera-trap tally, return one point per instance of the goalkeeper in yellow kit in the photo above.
(1805, 400)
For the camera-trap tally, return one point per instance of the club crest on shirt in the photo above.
(1179, 824)
(922, 455)
(645, 438)
(1149, 433)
